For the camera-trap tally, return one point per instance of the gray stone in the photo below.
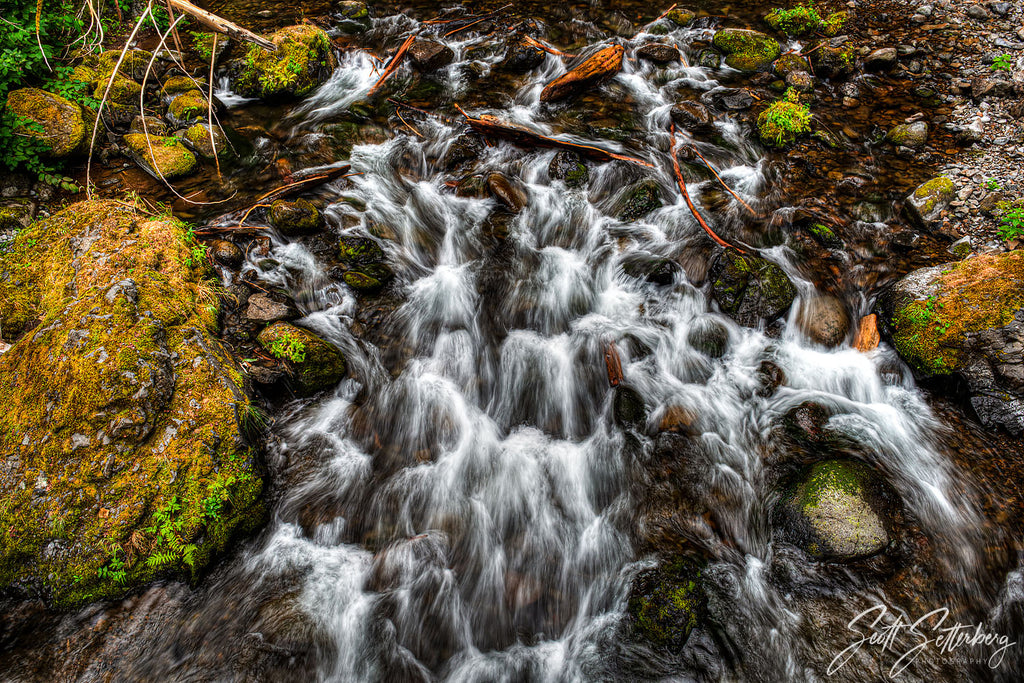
(263, 309)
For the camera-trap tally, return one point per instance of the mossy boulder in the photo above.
(161, 156)
(569, 168)
(313, 363)
(835, 512)
(198, 137)
(639, 200)
(54, 120)
(681, 17)
(965, 319)
(925, 204)
(790, 63)
(354, 16)
(188, 106)
(747, 50)
(123, 90)
(122, 428)
(784, 120)
(299, 217)
(666, 603)
(178, 84)
(750, 289)
(364, 264)
(833, 62)
(303, 60)
(913, 135)
(133, 66)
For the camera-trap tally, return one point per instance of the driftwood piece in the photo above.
(393, 64)
(613, 364)
(867, 334)
(524, 137)
(591, 72)
(689, 202)
(222, 25)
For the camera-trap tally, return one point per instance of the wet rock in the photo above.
(832, 513)
(708, 336)
(913, 135)
(313, 363)
(264, 310)
(640, 200)
(746, 50)
(175, 85)
(659, 53)
(693, 117)
(122, 90)
(883, 59)
(303, 61)
(800, 81)
(965, 319)
(769, 378)
(15, 214)
(507, 194)
(666, 603)
(925, 204)
(791, 63)
(133, 65)
(708, 59)
(825, 236)
(148, 124)
(629, 409)
(735, 99)
(364, 264)
(226, 253)
(200, 140)
(569, 168)
(659, 271)
(188, 106)
(522, 57)
(297, 217)
(122, 390)
(681, 17)
(428, 55)
(463, 148)
(807, 423)
(750, 289)
(354, 16)
(60, 120)
(825, 320)
(832, 62)
(677, 420)
(474, 186)
(161, 156)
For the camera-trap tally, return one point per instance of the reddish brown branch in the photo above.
(393, 64)
(689, 202)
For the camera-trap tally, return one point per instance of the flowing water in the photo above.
(466, 506)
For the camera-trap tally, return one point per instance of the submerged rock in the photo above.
(640, 200)
(364, 264)
(913, 135)
(751, 289)
(694, 117)
(747, 50)
(506, 192)
(123, 418)
(709, 336)
(161, 156)
(830, 515)
(303, 60)
(965, 319)
(297, 217)
(313, 363)
(925, 204)
(522, 57)
(653, 269)
(58, 122)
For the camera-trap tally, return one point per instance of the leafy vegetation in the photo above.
(289, 347)
(785, 119)
(804, 19)
(1003, 62)
(1011, 220)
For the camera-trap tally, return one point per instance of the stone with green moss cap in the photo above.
(314, 364)
(751, 289)
(965, 319)
(925, 204)
(164, 154)
(199, 139)
(747, 50)
(123, 91)
(54, 120)
(189, 106)
(833, 514)
(297, 217)
(364, 264)
(122, 427)
(666, 602)
(303, 60)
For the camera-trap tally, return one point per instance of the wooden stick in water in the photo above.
(393, 64)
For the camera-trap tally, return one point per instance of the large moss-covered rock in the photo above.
(747, 50)
(208, 142)
(121, 432)
(297, 217)
(164, 154)
(665, 603)
(965, 319)
(302, 61)
(57, 122)
(189, 106)
(313, 363)
(751, 289)
(925, 204)
(832, 512)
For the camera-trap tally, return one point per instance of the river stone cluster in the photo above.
(123, 418)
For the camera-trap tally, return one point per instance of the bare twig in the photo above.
(393, 64)
(547, 48)
(689, 202)
(664, 14)
(209, 109)
(727, 188)
(407, 124)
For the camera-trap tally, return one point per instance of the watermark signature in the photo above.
(907, 640)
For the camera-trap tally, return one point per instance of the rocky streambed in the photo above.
(591, 344)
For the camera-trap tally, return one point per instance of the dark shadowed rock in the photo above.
(659, 53)
(428, 55)
(751, 289)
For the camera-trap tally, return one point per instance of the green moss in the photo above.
(166, 154)
(117, 405)
(932, 192)
(784, 120)
(798, 21)
(834, 23)
(825, 235)
(665, 603)
(314, 363)
(640, 200)
(59, 122)
(295, 217)
(303, 58)
(123, 90)
(189, 106)
(179, 84)
(747, 50)
(975, 294)
(133, 65)
(680, 17)
(198, 137)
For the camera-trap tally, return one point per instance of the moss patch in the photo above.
(665, 603)
(747, 50)
(189, 106)
(973, 295)
(166, 154)
(124, 456)
(302, 61)
(58, 121)
(314, 364)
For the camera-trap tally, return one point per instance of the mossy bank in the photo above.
(122, 429)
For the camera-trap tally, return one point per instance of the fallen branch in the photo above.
(221, 25)
(393, 64)
(547, 48)
(304, 183)
(727, 188)
(591, 72)
(689, 202)
(524, 137)
(613, 364)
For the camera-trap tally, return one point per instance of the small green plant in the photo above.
(992, 184)
(198, 254)
(115, 569)
(289, 347)
(785, 119)
(1003, 62)
(1011, 220)
(804, 19)
(169, 548)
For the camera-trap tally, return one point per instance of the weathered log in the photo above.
(591, 72)
(222, 25)
(524, 137)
